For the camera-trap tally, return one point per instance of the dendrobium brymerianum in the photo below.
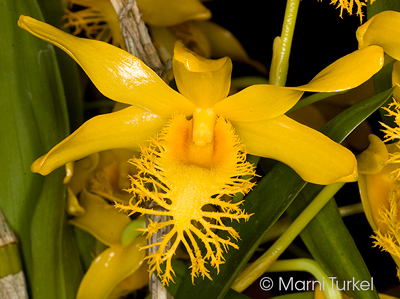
(379, 185)
(199, 137)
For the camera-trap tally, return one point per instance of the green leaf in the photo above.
(34, 119)
(57, 270)
(31, 121)
(381, 5)
(268, 201)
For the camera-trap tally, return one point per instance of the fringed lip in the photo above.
(185, 179)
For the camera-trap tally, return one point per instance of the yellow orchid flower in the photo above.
(379, 185)
(197, 158)
(122, 261)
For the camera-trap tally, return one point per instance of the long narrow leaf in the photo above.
(34, 118)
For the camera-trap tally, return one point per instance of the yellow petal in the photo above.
(224, 43)
(126, 128)
(110, 268)
(259, 102)
(374, 158)
(203, 81)
(101, 219)
(117, 74)
(172, 12)
(347, 72)
(383, 30)
(315, 157)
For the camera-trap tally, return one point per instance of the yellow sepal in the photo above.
(117, 74)
(347, 72)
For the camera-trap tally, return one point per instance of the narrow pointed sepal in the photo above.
(117, 74)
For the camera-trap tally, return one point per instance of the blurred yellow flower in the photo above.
(379, 185)
(94, 183)
(199, 137)
(97, 20)
(168, 21)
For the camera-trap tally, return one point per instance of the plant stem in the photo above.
(256, 269)
(350, 210)
(283, 44)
